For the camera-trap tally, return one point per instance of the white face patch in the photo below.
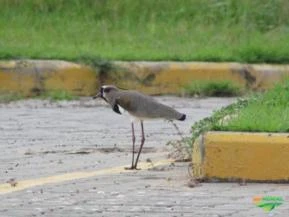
(105, 90)
(103, 94)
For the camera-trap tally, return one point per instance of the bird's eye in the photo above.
(106, 90)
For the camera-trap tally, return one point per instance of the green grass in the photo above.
(58, 95)
(212, 88)
(8, 97)
(213, 122)
(268, 112)
(260, 112)
(207, 30)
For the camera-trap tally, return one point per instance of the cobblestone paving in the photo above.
(41, 139)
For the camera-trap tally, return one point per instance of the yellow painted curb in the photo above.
(30, 183)
(242, 156)
(29, 77)
(171, 77)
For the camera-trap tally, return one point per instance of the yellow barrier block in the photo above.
(29, 77)
(175, 75)
(15, 82)
(78, 81)
(171, 77)
(238, 156)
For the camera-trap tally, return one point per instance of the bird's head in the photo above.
(106, 91)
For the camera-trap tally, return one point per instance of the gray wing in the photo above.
(144, 106)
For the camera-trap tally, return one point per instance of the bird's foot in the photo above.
(131, 168)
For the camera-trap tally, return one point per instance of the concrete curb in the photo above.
(235, 156)
(30, 76)
(170, 77)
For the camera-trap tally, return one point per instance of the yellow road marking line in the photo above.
(30, 183)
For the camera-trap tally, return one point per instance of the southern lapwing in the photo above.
(140, 107)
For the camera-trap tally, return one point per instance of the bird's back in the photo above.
(144, 107)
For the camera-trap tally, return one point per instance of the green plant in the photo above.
(182, 30)
(8, 97)
(211, 123)
(58, 95)
(267, 112)
(212, 88)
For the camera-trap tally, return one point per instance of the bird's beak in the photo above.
(96, 96)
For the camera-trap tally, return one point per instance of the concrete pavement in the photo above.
(43, 139)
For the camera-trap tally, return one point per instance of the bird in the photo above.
(140, 107)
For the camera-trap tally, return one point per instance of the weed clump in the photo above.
(212, 88)
(260, 112)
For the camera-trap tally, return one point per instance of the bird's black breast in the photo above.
(116, 109)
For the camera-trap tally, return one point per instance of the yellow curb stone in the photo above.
(79, 81)
(242, 156)
(171, 77)
(28, 77)
(14, 82)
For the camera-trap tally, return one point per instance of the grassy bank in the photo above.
(260, 112)
(268, 112)
(208, 30)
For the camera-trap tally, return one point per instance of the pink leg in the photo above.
(141, 145)
(133, 147)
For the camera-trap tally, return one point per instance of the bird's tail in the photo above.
(182, 118)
